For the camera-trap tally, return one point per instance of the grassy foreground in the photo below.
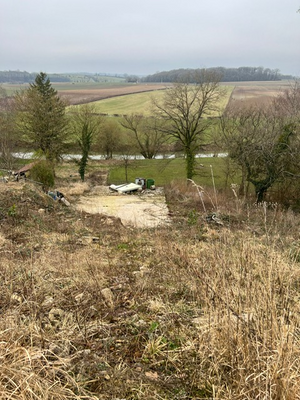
(201, 309)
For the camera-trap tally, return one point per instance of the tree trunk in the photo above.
(260, 194)
(190, 163)
(260, 191)
(126, 164)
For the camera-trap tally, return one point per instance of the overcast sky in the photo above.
(146, 36)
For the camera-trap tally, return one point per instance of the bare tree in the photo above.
(147, 133)
(8, 135)
(128, 150)
(185, 109)
(109, 137)
(264, 142)
(86, 125)
(287, 104)
(3, 93)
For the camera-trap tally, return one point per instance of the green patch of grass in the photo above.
(123, 246)
(137, 103)
(141, 103)
(167, 170)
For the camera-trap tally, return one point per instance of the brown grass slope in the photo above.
(93, 310)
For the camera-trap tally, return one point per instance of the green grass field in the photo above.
(167, 170)
(137, 103)
(140, 103)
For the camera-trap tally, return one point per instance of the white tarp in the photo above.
(126, 188)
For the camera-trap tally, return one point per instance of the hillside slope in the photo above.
(91, 309)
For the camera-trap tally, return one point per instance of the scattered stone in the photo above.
(152, 375)
(79, 298)
(108, 297)
(141, 323)
(88, 240)
(214, 218)
(16, 298)
(48, 301)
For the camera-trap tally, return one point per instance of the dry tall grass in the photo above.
(202, 310)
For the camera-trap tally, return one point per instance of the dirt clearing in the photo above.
(147, 210)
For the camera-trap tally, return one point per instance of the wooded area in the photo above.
(27, 77)
(227, 74)
(176, 75)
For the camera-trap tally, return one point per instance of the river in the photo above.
(67, 157)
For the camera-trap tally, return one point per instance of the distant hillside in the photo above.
(227, 74)
(83, 77)
(27, 77)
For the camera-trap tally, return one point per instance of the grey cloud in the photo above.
(143, 37)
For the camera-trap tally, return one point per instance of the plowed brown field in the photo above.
(257, 92)
(81, 96)
(250, 92)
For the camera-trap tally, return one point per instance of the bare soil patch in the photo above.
(147, 210)
(82, 96)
